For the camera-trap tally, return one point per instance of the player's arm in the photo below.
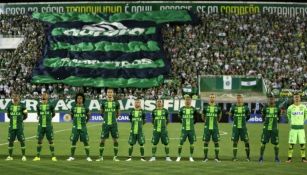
(24, 112)
(219, 114)
(231, 112)
(153, 116)
(71, 112)
(87, 114)
(117, 109)
(247, 113)
(196, 113)
(130, 115)
(143, 117)
(167, 116)
(102, 109)
(279, 112)
(38, 111)
(203, 116)
(180, 115)
(52, 111)
(289, 113)
(8, 111)
(305, 112)
(263, 113)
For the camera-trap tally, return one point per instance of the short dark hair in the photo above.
(80, 94)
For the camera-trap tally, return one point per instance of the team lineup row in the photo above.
(211, 114)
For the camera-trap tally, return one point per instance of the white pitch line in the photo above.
(177, 138)
(62, 130)
(29, 138)
(221, 133)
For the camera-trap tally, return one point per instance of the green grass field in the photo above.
(81, 166)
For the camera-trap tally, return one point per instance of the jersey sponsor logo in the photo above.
(297, 113)
(15, 113)
(109, 109)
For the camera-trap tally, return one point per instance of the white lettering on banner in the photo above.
(32, 9)
(97, 118)
(121, 104)
(182, 103)
(69, 104)
(86, 32)
(1, 10)
(255, 119)
(94, 105)
(150, 105)
(60, 105)
(24, 10)
(129, 104)
(15, 10)
(168, 104)
(287, 11)
(142, 61)
(50, 9)
(100, 118)
(141, 8)
(4, 103)
(31, 104)
(176, 105)
(207, 9)
(177, 7)
(124, 118)
(201, 8)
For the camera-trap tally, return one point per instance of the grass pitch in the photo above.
(81, 166)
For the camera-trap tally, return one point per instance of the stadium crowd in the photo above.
(222, 44)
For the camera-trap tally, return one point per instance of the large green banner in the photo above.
(94, 104)
(105, 50)
(284, 93)
(240, 8)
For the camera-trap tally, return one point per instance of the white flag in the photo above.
(227, 82)
(249, 83)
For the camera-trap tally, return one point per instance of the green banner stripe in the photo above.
(67, 17)
(81, 33)
(102, 82)
(105, 46)
(157, 16)
(138, 64)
